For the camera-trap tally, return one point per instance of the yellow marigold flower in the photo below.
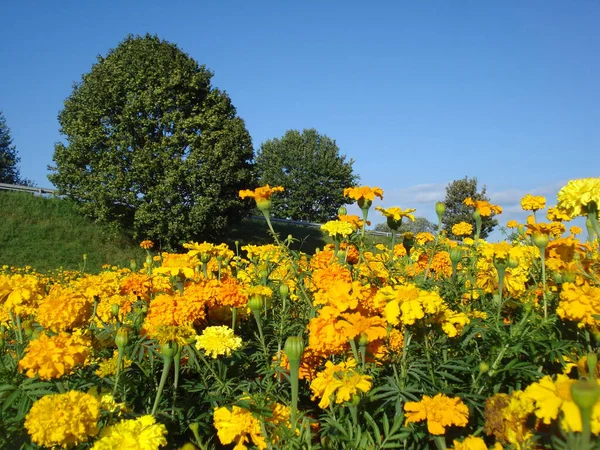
(146, 244)
(462, 229)
(439, 411)
(452, 322)
(424, 237)
(580, 304)
(484, 207)
(554, 397)
(238, 425)
(341, 294)
(533, 202)
(339, 379)
(174, 264)
(63, 420)
(21, 293)
(142, 433)
(64, 309)
(407, 304)
(474, 443)
(261, 193)
(359, 193)
(55, 356)
(575, 198)
(338, 228)
(108, 367)
(557, 215)
(512, 224)
(506, 417)
(501, 250)
(396, 213)
(217, 341)
(259, 290)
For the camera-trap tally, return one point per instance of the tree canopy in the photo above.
(9, 159)
(457, 211)
(312, 171)
(151, 145)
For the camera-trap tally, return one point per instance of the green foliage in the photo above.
(48, 233)
(420, 225)
(151, 145)
(312, 171)
(457, 211)
(9, 172)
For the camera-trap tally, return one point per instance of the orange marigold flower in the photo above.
(439, 411)
(353, 220)
(261, 193)
(424, 237)
(356, 324)
(147, 244)
(484, 207)
(64, 309)
(55, 356)
(363, 193)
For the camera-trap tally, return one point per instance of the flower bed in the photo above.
(425, 343)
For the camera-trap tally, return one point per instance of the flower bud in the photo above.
(355, 400)
(456, 254)
(477, 215)
(2, 342)
(513, 263)
(484, 367)
(149, 260)
(568, 277)
(133, 265)
(294, 347)
(342, 211)
(585, 394)
(169, 349)
(204, 258)
(363, 340)
(558, 278)
(284, 290)
(440, 209)
(122, 338)
(27, 327)
(540, 240)
(84, 257)
(521, 230)
(114, 310)
(256, 302)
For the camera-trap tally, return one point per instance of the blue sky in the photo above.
(418, 93)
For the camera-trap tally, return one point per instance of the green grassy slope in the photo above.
(47, 233)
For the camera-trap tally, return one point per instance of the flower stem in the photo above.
(118, 371)
(167, 360)
(294, 372)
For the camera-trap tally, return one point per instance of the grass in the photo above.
(48, 234)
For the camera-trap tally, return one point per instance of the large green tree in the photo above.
(150, 144)
(9, 159)
(457, 211)
(312, 171)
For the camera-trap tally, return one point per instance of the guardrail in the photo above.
(29, 189)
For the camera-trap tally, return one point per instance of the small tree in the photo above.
(457, 211)
(9, 171)
(312, 171)
(150, 144)
(420, 225)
